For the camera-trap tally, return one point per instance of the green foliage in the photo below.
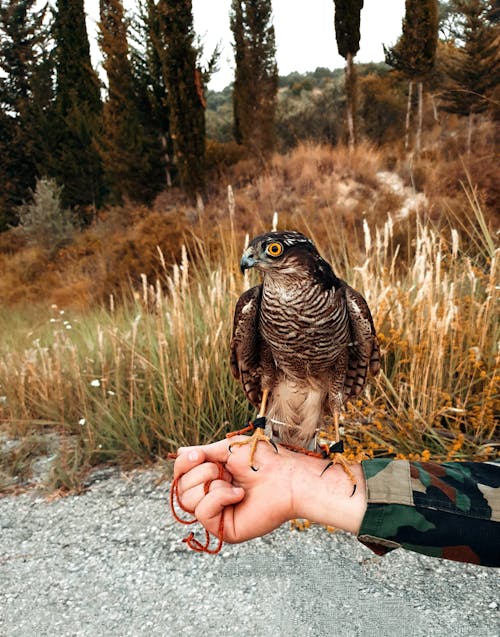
(311, 116)
(219, 115)
(124, 147)
(145, 46)
(473, 67)
(256, 75)
(347, 21)
(184, 83)
(25, 95)
(414, 53)
(44, 220)
(76, 162)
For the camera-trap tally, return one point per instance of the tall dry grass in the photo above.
(128, 384)
(438, 393)
(132, 380)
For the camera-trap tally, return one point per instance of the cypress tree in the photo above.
(347, 23)
(240, 80)
(414, 54)
(184, 83)
(77, 165)
(256, 76)
(124, 145)
(25, 97)
(147, 48)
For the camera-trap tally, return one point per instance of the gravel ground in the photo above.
(111, 562)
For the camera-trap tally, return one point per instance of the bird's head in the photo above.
(284, 252)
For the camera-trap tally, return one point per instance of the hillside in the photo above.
(115, 344)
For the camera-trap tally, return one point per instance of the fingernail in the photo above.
(193, 455)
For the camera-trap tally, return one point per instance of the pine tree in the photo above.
(77, 165)
(473, 68)
(124, 147)
(184, 84)
(414, 54)
(25, 97)
(347, 23)
(256, 76)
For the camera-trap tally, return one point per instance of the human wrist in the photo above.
(326, 496)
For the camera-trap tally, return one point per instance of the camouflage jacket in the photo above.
(449, 510)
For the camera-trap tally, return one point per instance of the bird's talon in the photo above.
(274, 445)
(253, 468)
(353, 491)
(327, 467)
(229, 449)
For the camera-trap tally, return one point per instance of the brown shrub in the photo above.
(323, 191)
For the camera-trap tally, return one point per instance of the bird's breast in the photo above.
(305, 327)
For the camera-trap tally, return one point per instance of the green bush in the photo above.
(44, 221)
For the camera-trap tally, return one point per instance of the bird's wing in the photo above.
(363, 352)
(246, 344)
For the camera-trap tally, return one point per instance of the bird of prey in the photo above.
(303, 341)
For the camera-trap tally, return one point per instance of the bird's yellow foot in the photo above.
(335, 451)
(297, 524)
(258, 435)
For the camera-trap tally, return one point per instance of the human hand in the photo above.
(287, 485)
(252, 503)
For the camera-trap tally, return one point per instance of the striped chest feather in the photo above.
(305, 325)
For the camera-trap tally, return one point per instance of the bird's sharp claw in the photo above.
(327, 467)
(273, 444)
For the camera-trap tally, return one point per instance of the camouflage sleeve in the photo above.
(449, 510)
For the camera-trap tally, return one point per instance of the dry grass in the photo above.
(130, 381)
(438, 394)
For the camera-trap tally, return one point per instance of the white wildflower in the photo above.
(82, 421)
(95, 383)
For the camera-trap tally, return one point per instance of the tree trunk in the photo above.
(168, 177)
(408, 114)
(418, 140)
(350, 84)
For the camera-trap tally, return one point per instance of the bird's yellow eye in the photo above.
(274, 249)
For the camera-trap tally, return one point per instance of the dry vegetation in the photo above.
(118, 343)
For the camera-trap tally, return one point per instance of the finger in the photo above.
(210, 508)
(188, 458)
(200, 475)
(193, 496)
(214, 452)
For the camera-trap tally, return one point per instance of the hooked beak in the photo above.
(247, 261)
